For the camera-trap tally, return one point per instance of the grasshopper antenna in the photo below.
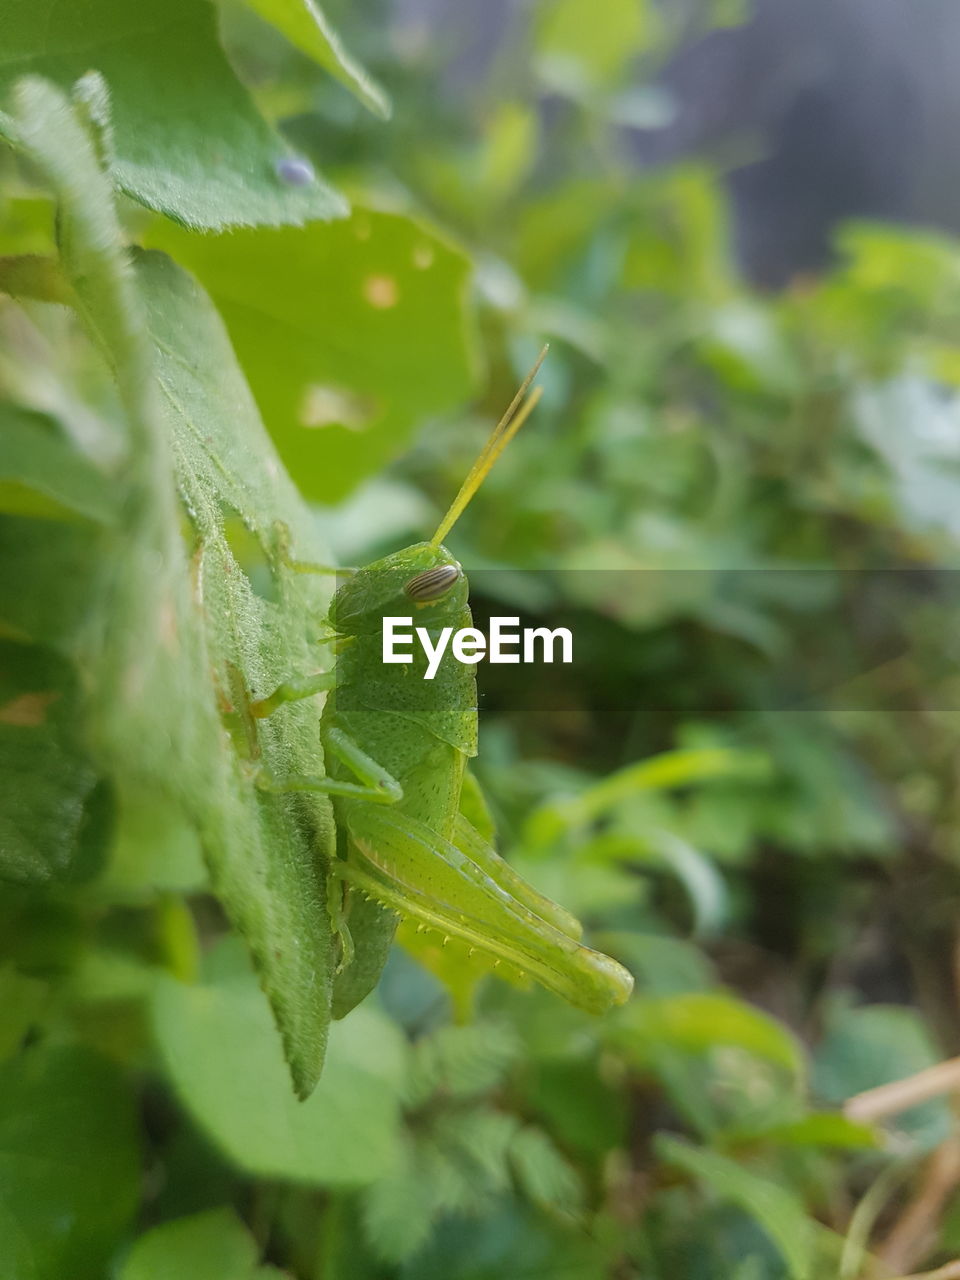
(518, 411)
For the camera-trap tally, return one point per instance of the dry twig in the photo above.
(900, 1095)
(914, 1233)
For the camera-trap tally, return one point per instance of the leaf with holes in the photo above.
(350, 334)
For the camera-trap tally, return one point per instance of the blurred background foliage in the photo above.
(744, 501)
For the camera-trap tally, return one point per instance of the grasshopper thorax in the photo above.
(423, 581)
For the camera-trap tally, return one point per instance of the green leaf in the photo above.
(696, 1022)
(27, 224)
(56, 563)
(266, 855)
(702, 882)
(682, 768)
(818, 1129)
(513, 1242)
(43, 474)
(780, 1214)
(202, 1247)
(186, 138)
(662, 966)
(69, 1167)
(922, 461)
(57, 397)
(578, 52)
(729, 13)
(399, 1209)
(346, 1254)
(455, 1162)
(542, 1173)
(175, 652)
(870, 1046)
(475, 1145)
(21, 1001)
(305, 25)
(349, 335)
(585, 1113)
(460, 1061)
(48, 785)
(155, 849)
(32, 275)
(226, 1063)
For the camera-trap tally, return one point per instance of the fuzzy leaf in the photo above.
(165, 72)
(399, 1209)
(543, 1173)
(462, 1061)
(180, 648)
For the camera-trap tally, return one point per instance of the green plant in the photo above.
(243, 315)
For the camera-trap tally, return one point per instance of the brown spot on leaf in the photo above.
(381, 292)
(325, 406)
(168, 626)
(28, 711)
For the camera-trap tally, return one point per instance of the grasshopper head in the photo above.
(424, 582)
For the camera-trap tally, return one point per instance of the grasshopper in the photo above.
(397, 749)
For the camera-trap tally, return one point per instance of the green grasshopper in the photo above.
(397, 749)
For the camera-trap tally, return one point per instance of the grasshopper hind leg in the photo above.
(413, 871)
(467, 838)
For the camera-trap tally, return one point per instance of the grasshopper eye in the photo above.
(432, 584)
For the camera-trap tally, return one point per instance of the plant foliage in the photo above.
(251, 320)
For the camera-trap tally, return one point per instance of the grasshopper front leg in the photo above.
(293, 691)
(376, 786)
